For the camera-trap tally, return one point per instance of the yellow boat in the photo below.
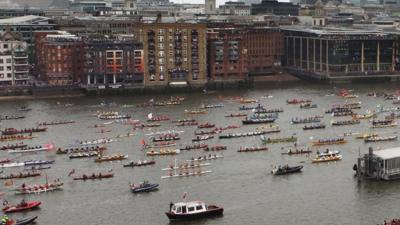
(323, 142)
(364, 116)
(366, 135)
(327, 157)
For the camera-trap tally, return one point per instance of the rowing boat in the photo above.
(236, 115)
(29, 150)
(187, 124)
(297, 101)
(14, 146)
(6, 117)
(81, 150)
(345, 122)
(194, 146)
(314, 126)
(258, 121)
(220, 105)
(61, 122)
(15, 137)
(277, 140)
(13, 131)
(204, 158)
(186, 174)
(110, 158)
(202, 138)
(23, 206)
(20, 175)
(185, 166)
(248, 134)
(204, 132)
(36, 189)
(140, 163)
(379, 139)
(366, 135)
(253, 149)
(195, 111)
(94, 176)
(205, 125)
(163, 152)
(162, 144)
(296, 152)
(83, 155)
(314, 119)
(332, 141)
(216, 148)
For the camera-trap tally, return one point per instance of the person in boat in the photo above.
(23, 203)
(327, 150)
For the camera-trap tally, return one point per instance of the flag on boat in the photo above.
(142, 142)
(49, 146)
(150, 116)
(71, 172)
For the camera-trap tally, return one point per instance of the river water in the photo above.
(325, 193)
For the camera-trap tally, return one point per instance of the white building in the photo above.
(210, 7)
(14, 67)
(235, 8)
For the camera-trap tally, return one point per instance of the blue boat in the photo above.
(145, 186)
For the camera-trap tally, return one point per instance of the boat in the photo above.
(339, 110)
(186, 173)
(243, 108)
(327, 156)
(108, 158)
(249, 134)
(20, 175)
(140, 163)
(308, 106)
(36, 189)
(236, 115)
(201, 111)
(297, 101)
(32, 149)
(15, 137)
(105, 113)
(184, 120)
(13, 146)
(198, 210)
(366, 135)
(379, 139)
(12, 164)
(216, 148)
(83, 155)
(258, 121)
(205, 125)
(144, 186)
(11, 117)
(114, 117)
(149, 125)
(313, 119)
(25, 221)
(24, 109)
(94, 176)
(282, 170)
(13, 131)
(314, 126)
(212, 106)
(253, 149)
(202, 138)
(204, 132)
(23, 206)
(264, 116)
(157, 118)
(220, 129)
(248, 100)
(7, 160)
(86, 149)
(97, 142)
(40, 167)
(346, 113)
(394, 124)
(60, 122)
(166, 137)
(185, 166)
(296, 152)
(364, 116)
(161, 144)
(277, 140)
(382, 122)
(194, 146)
(205, 157)
(163, 152)
(329, 141)
(187, 124)
(38, 162)
(345, 122)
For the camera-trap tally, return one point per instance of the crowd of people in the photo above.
(391, 222)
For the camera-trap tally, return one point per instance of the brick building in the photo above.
(62, 59)
(173, 53)
(114, 61)
(227, 56)
(264, 49)
(14, 67)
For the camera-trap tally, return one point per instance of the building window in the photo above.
(1, 75)
(1, 68)
(1, 61)
(5, 46)
(161, 53)
(8, 60)
(8, 68)
(8, 75)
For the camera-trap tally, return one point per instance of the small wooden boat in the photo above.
(24, 109)
(140, 163)
(200, 211)
(187, 124)
(205, 125)
(163, 152)
(253, 149)
(379, 139)
(23, 206)
(158, 118)
(297, 101)
(249, 134)
(184, 120)
(346, 113)
(278, 140)
(248, 100)
(15, 137)
(236, 115)
(114, 117)
(145, 186)
(60, 122)
(330, 141)
(204, 132)
(38, 162)
(212, 106)
(296, 152)
(345, 122)
(13, 131)
(94, 176)
(166, 137)
(31, 149)
(161, 144)
(308, 106)
(327, 157)
(216, 148)
(258, 121)
(34, 168)
(25, 221)
(366, 135)
(205, 157)
(364, 116)
(264, 116)
(97, 142)
(194, 146)
(83, 155)
(11, 117)
(314, 126)
(339, 110)
(282, 170)
(20, 175)
(36, 189)
(202, 138)
(394, 124)
(97, 148)
(201, 111)
(13, 146)
(313, 119)
(186, 174)
(116, 157)
(185, 166)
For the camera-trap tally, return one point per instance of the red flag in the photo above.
(49, 146)
(72, 172)
(142, 142)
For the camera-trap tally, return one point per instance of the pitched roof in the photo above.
(30, 19)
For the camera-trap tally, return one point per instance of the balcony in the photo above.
(178, 75)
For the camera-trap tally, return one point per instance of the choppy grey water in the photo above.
(325, 193)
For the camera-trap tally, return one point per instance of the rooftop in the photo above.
(389, 153)
(30, 19)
